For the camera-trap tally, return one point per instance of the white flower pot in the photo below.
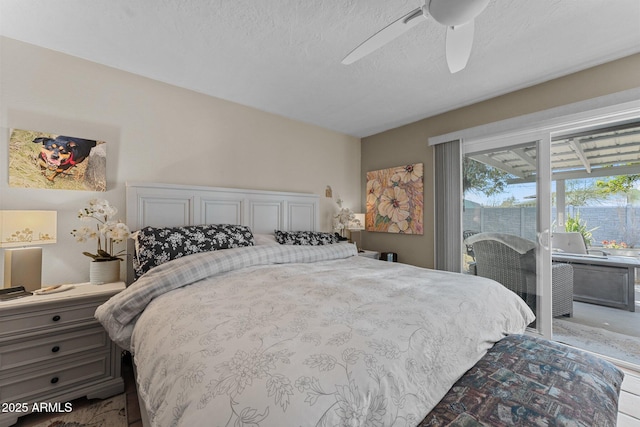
(101, 272)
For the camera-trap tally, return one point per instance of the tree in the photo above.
(580, 192)
(477, 176)
(509, 202)
(619, 184)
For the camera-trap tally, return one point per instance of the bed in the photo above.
(291, 328)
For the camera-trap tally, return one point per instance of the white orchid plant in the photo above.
(107, 231)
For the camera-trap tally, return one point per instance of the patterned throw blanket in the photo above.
(527, 381)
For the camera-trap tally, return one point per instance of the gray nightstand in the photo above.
(370, 254)
(53, 350)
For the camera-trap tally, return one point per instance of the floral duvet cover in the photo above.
(304, 336)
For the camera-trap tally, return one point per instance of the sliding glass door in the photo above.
(504, 178)
(507, 218)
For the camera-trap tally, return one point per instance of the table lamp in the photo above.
(19, 230)
(356, 227)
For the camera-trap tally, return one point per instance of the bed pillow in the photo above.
(264, 239)
(155, 246)
(312, 238)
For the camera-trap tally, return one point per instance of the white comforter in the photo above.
(318, 341)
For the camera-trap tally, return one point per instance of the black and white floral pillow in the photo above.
(307, 238)
(155, 246)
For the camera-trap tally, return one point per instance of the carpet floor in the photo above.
(109, 412)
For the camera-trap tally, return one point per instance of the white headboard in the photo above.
(171, 205)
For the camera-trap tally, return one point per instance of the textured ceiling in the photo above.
(283, 56)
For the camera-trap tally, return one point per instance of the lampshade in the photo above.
(354, 225)
(18, 229)
(26, 228)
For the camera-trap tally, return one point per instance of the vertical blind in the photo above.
(448, 215)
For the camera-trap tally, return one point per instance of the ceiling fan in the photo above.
(457, 15)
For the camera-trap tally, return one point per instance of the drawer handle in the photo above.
(55, 318)
(55, 349)
(54, 380)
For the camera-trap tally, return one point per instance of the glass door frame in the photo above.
(544, 325)
(543, 216)
(542, 126)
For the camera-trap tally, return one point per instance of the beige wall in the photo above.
(157, 132)
(408, 144)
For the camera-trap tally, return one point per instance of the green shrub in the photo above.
(578, 224)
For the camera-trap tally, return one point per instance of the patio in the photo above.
(588, 153)
(591, 153)
(612, 332)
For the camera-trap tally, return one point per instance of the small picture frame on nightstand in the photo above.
(13, 292)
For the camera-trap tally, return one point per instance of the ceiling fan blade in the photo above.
(459, 43)
(385, 35)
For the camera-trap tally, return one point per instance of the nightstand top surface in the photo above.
(369, 254)
(80, 290)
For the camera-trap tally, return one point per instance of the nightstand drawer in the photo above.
(32, 321)
(60, 377)
(51, 347)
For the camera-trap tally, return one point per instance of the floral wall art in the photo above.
(395, 200)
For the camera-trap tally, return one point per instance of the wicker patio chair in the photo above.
(465, 235)
(510, 260)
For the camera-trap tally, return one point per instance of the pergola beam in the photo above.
(577, 148)
(597, 172)
(524, 156)
(488, 160)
